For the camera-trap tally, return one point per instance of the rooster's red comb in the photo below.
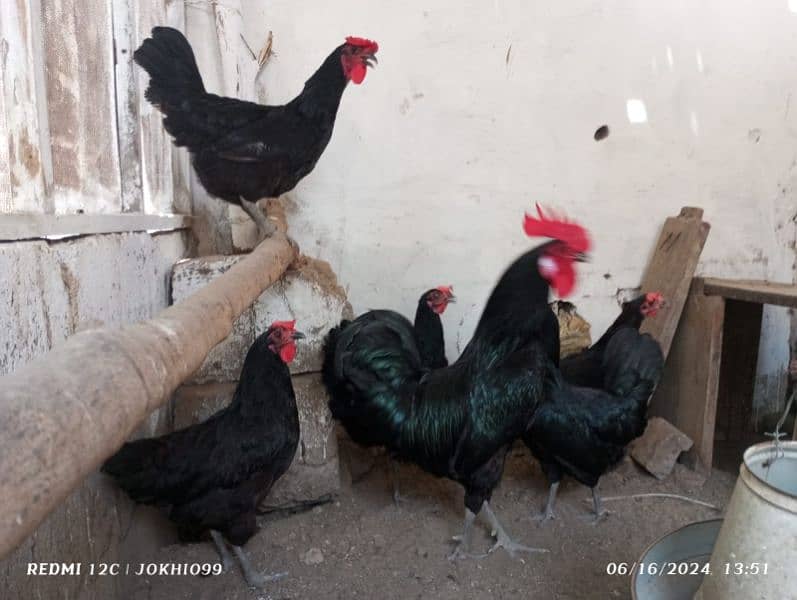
(448, 290)
(368, 45)
(290, 325)
(652, 297)
(557, 227)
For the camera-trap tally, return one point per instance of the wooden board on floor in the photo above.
(746, 290)
(671, 269)
(687, 393)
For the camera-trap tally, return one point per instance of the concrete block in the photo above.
(308, 292)
(658, 449)
(315, 473)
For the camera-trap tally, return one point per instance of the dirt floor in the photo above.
(363, 546)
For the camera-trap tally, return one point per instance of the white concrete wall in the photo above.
(479, 109)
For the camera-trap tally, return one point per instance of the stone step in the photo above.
(308, 292)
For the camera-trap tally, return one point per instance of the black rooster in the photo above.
(585, 368)
(214, 474)
(582, 431)
(243, 151)
(459, 421)
(428, 335)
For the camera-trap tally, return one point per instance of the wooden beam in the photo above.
(39, 226)
(687, 393)
(747, 290)
(671, 269)
(64, 413)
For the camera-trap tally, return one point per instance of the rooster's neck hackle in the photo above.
(321, 95)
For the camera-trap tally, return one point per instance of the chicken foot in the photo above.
(547, 514)
(265, 228)
(253, 578)
(464, 540)
(497, 531)
(502, 539)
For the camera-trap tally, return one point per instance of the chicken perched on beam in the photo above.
(214, 474)
(459, 421)
(244, 151)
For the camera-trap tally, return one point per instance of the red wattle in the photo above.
(288, 353)
(357, 73)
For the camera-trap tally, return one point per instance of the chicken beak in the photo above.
(298, 335)
(370, 60)
(452, 299)
(581, 257)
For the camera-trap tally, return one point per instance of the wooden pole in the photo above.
(64, 413)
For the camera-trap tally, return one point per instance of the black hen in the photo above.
(585, 368)
(429, 328)
(583, 431)
(214, 474)
(243, 151)
(459, 421)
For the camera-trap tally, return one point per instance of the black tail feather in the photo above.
(168, 58)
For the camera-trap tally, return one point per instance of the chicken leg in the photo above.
(395, 479)
(502, 539)
(265, 228)
(464, 540)
(224, 553)
(252, 577)
(547, 513)
(600, 512)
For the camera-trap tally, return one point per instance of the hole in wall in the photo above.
(601, 133)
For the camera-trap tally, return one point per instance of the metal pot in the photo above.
(755, 556)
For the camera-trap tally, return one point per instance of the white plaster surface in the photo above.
(477, 110)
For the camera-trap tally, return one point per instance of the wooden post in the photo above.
(671, 270)
(64, 413)
(687, 393)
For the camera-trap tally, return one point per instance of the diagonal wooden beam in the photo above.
(64, 413)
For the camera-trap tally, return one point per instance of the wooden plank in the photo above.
(740, 339)
(748, 290)
(156, 145)
(35, 226)
(78, 44)
(671, 269)
(24, 146)
(126, 86)
(687, 393)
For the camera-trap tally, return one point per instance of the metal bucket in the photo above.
(755, 556)
(658, 574)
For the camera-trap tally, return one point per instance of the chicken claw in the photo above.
(252, 577)
(502, 537)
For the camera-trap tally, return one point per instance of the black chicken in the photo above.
(585, 368)
(582, 431)
(214, 474)
(429, 328)
(243, 151)
(427, 332)
(459, 421)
